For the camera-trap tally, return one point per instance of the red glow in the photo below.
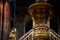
(6, 16)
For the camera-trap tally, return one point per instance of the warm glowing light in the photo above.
(6, 16)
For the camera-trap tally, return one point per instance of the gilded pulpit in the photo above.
(40, 12)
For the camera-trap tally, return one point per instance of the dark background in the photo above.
(12, 11)
(22, 12)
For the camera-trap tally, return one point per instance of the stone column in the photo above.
(1, 7)
(6, 24)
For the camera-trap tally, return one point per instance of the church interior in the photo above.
(19, 20)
